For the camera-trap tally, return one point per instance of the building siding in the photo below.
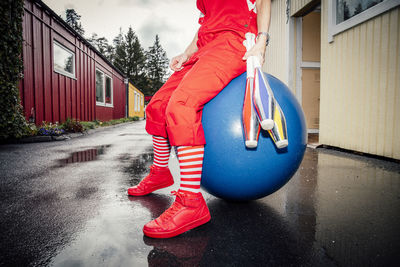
(276, 61)
(132, 102)
(53, 97)
(360, 91)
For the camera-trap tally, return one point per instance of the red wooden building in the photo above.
(65, 76)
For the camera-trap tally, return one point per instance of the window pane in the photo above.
(64, 60)
(108, 90)
(349, 8)
(99, 86)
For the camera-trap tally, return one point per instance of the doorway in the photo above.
(308, 63)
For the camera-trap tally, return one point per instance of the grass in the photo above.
(96, 123)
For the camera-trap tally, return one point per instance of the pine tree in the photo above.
(135, 54)
(93, 39)
(157, 66)
(120, 55)
(72, 18)
(110, 53)
(101, 44)
(136, 61)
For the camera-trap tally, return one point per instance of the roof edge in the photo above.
(69, 28)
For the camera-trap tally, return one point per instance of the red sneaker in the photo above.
(187, 212)
(158, 178)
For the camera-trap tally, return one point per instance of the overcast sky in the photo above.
(175, 21)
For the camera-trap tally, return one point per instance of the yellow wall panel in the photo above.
(136, 102)
(276, 54)
(360, 91)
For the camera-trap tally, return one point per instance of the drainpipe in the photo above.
(126, 81)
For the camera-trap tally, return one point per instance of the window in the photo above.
(136, 102)
(104, 89)
(346, 9)
(63, 60)
(108, 90)
(99, 86)
(345, 14)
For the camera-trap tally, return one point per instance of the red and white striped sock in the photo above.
(191, 163)
(161, 149)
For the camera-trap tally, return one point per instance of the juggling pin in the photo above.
(279, 131)
(263, 100)
(250, 122)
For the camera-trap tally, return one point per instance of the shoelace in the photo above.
(176, 206)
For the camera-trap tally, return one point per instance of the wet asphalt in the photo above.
(65, 204)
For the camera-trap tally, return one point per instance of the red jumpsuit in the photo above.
(175, 111)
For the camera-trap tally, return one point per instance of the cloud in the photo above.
(166, 32)
(69, 6)
(152, 27)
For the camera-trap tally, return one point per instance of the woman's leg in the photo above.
(160, 175)
(209, 75)
(191, 164)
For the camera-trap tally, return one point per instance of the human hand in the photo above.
(258, 50)
(177, 62)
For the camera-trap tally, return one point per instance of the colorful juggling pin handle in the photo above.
(250, 122)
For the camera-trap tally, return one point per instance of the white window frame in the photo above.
(61, 71)
(136, 102)
(104, 104)
(334, 29)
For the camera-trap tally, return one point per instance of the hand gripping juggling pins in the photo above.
(267, 108)
(263, 100)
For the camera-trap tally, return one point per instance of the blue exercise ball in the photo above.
(233, 172)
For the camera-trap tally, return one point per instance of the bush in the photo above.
(88, 125)
(31, 129)
(72, 125)
(12, 120)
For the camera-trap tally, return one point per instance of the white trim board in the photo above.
(310, 65)
(299, 57)
(312, 131)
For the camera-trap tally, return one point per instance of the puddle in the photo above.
(83, 156)
(138, 166)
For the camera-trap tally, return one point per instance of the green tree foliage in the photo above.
(136, 60)
(156, 65)
(12, 121)
(146, 69)
(120, 55)
(73, 20)
(102, 45)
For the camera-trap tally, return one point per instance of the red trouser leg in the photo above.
(218, 63)
(155, 111)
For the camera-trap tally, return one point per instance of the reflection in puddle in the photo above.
(82, 156)
(138, 166)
